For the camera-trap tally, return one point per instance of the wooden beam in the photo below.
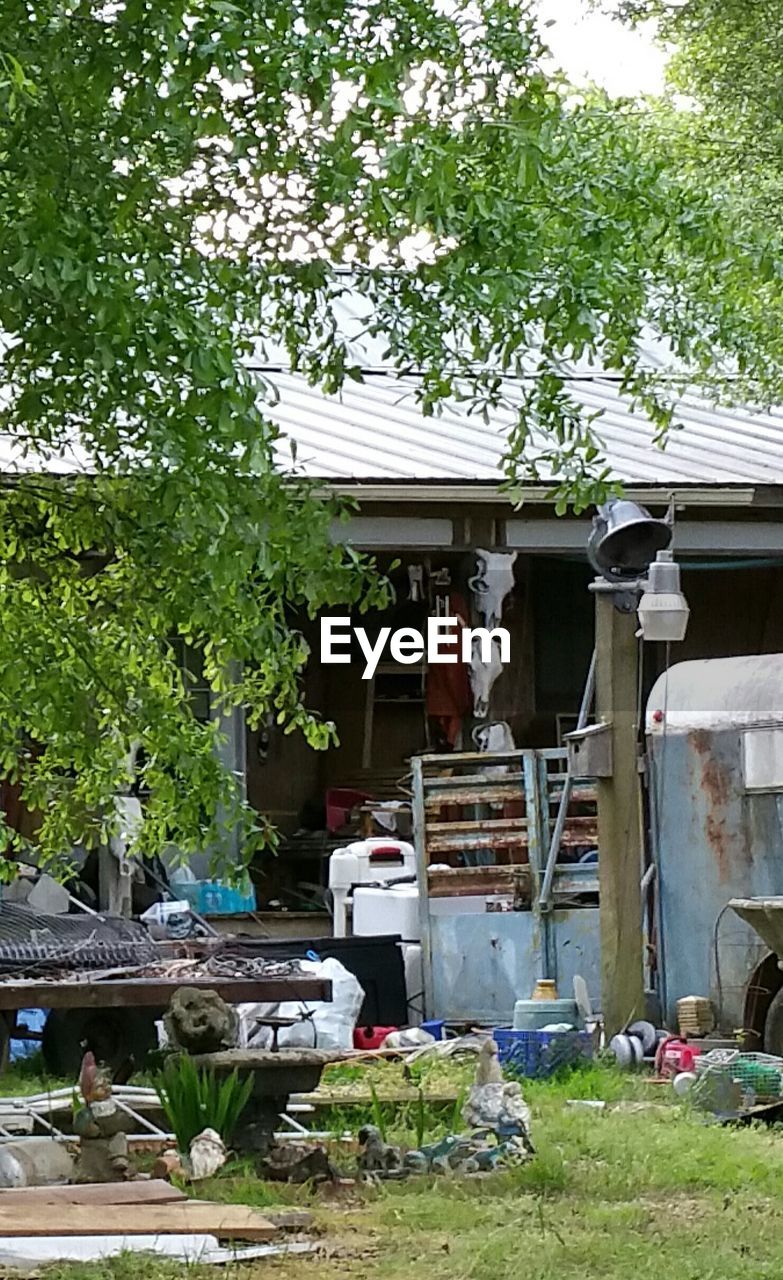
(139, 1192)
(188, 1217)
(155, 993)
(619, 862)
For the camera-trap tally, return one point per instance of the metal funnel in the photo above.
(765, 915)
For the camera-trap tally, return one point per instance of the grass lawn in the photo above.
(643, 1189)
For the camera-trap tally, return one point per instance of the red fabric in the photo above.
(448, 684)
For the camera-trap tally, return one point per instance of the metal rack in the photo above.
(488, 819)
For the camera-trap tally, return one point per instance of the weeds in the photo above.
(194, 1100)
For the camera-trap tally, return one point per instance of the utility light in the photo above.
(624, 540)
(663, 610)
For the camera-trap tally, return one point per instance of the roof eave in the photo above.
(429, 491)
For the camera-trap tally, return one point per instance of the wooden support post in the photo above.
(619, 863)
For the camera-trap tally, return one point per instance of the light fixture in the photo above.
(625, 539)
(663, 610)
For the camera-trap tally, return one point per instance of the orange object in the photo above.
(546, 989)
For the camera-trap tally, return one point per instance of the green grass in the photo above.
(29, 1075)
(644, 1189)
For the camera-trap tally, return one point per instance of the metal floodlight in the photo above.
(663, 610)
(625, 539)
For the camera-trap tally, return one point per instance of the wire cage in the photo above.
(728, 1081)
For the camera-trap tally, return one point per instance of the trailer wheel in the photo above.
(7, 1025)
(119, 1038)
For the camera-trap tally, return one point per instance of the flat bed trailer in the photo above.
(122, 993)
(115, 1017)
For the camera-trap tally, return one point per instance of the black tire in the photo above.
(119, 1038)
(7, 1025)
(773, 1026)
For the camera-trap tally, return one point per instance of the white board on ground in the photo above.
(24, 1251)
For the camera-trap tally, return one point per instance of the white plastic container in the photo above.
(414, 981)
(364, 862)
(534, 1015)
(381, 911)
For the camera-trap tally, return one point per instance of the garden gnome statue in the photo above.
(101, 1126)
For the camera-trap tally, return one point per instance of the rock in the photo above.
(35, 1162)
(167, 1166)
(199, 1021)
(48, 898)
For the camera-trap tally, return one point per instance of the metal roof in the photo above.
(713, 693)
(375, 430)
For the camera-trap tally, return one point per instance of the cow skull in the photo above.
(483, 675)
(496, 736)
(492, 582)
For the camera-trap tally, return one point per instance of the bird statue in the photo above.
(377, 1156)
(496, 1104)
(488, 1070)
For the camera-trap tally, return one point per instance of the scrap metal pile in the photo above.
(46, 944)
(61, 947)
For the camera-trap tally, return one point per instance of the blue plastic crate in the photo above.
(539, 1054)
(213, 898)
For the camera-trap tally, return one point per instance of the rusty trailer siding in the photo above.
(484, 962)
(713, 841)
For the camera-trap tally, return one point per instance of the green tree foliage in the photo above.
(725, 70)
(179, 180)
(727, 55)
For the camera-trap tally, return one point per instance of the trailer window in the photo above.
(762, 759)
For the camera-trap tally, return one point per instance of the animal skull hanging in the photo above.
(483, 675)
(494, 737)
(491, 583)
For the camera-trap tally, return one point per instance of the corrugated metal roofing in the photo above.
(375, 430)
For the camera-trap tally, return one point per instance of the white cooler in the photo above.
(393, 910)
(361, 863)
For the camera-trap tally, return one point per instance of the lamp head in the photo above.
(625, 539)
(663, 610)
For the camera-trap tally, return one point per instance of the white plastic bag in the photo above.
(320, 1024)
